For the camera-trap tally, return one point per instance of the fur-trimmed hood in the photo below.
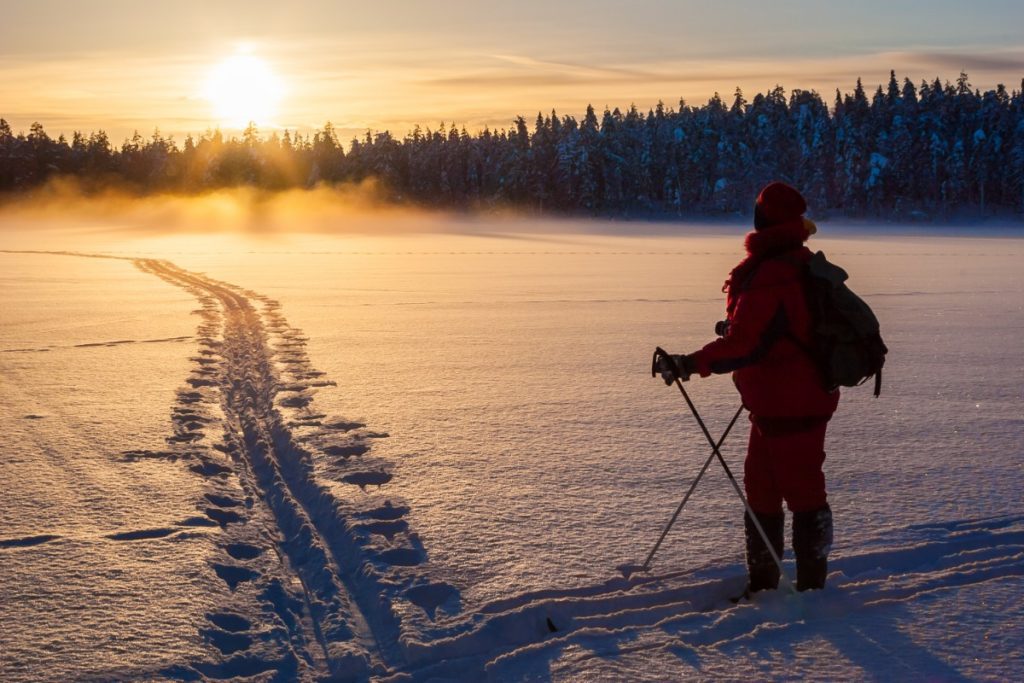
(777, 238)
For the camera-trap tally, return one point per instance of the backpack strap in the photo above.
(788, 257)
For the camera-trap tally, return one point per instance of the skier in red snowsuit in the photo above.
(768, 330)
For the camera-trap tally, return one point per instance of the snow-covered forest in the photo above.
(905, 152)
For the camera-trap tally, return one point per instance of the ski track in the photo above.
(342, 584)
(354, 570)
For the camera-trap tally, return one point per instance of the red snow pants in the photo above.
(784, 459)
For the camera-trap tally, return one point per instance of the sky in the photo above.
(125, 65)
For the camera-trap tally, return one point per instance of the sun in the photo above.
(241, 89)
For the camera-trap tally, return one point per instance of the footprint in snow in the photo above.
(233, 575)
(137, 455)
(116, 342)
(229, 621)
(387, 511)
(401, 557)
(243, 551)
(346, 451)
(197, 521)
(344, 425)
(222, 501)
(224, 517)
(184, 438)
(228, 643)
(386, 528)
(209, 469)
(142, 534)
(297, 401)
(432, 595)
(27, 541)
(364, 479)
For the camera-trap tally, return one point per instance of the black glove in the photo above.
(684, 364)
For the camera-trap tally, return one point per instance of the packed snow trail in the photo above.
(255, 437)
(353, 555)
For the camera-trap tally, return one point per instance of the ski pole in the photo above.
(647, 563)
(660, 352)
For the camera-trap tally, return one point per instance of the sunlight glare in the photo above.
(243, 88)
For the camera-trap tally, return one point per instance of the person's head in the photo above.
(780, 204)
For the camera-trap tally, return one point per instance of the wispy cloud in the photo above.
(1007, 61)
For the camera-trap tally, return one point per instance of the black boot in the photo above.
(812, 540)
(761, 568)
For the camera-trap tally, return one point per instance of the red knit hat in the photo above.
(778, 203)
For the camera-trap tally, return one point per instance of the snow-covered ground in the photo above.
(409, 456)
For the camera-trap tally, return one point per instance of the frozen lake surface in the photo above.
(355, 456)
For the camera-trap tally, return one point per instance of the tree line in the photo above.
(906, 151)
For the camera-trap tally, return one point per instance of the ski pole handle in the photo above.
(669, 360)
(666, 364)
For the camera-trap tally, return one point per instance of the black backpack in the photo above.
(846, 343)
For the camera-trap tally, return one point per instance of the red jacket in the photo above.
(766, 307)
